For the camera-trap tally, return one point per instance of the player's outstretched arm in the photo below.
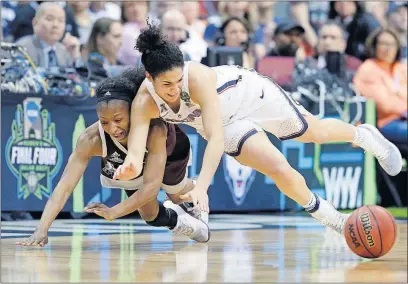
(142, 111)
(202, 84)
(152, 177)
(86, 148)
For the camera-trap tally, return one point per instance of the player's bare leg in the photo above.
(365, 136)
(260, 154)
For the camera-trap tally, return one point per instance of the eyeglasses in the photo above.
(386, 44)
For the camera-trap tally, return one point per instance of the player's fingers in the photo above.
(93, 205)
(44, 242)
(29, 242)
(100, 213)
(117, 172)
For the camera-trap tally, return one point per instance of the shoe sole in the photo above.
(394, 148)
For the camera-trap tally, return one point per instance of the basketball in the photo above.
(370, 231)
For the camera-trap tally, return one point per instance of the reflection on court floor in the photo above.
(244, 248)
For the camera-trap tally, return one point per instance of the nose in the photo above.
(112, 128)
(175, 89)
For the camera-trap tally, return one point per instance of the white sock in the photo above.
(313, 204)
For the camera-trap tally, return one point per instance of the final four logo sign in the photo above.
(33, 153)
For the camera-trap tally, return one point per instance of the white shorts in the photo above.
(136, 184)
(263, 106)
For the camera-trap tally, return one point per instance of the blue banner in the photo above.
(39, 134)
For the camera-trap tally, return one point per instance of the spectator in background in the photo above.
(397, 18)
(330, 50)
(266, 27)
(384, 79)
(44, 47)
(239, 9)
(311, 16)
(191, 11)
(164, 6)
(235, 32)
(83, 19)
(7, 16)
(358, 24)
(25, 12)
(174, 27)
(289, 41)
(378, 9)
(134, 18)
(105, 9)
(103, 47)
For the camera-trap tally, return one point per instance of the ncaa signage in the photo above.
(33, 153)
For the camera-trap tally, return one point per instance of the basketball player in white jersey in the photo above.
(231, 107)
(165, 166)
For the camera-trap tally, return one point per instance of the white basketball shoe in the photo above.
(329, 216)
(387, 154)
(188, 225)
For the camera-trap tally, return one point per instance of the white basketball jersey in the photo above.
(189, 112)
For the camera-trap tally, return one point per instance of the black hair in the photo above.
(158, 55)
(333, 13)
(122, 87)
(243, 22)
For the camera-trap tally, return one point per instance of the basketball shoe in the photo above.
(371, 140)
(327, 215)
(188, 225)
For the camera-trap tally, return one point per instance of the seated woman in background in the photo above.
(103, 47)
(235, 32)
(384, 79)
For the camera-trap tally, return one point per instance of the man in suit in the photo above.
(25, 12)
(44, 47)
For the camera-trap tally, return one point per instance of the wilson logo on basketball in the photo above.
(365, 220)
(353, 236)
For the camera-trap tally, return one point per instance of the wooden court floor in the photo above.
(243, 248)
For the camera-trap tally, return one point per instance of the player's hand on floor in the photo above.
(127, 171)
(38, 238)
(102, 210)
(198, 197)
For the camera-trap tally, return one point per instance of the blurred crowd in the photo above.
(361, 42)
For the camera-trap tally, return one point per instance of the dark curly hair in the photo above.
(121, 87)
(158, 55)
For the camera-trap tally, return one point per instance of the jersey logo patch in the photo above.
(115, 157)
(186, 98)
(109, 169)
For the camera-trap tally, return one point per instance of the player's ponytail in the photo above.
(158, 55)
